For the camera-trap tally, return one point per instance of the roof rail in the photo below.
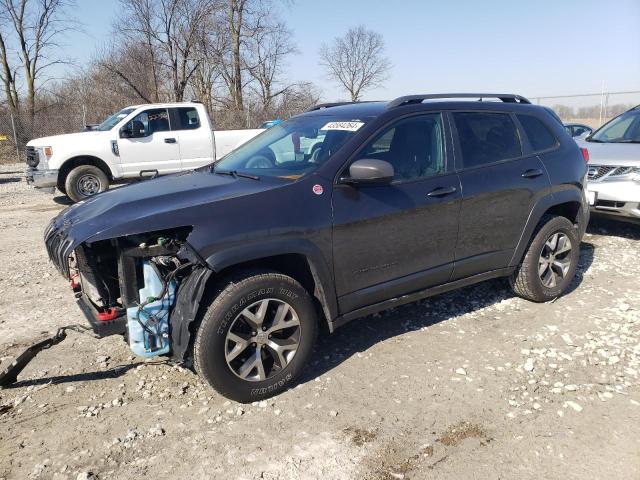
(413, 99)
(322, 106)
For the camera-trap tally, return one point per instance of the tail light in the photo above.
(585, 154)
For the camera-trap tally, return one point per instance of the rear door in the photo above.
(193, 137)
(500, 184)
(393, 239)
(157, 149)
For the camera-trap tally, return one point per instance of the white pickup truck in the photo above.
(137, 141)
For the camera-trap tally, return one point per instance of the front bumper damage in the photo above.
(106, 278)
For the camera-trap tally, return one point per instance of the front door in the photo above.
(155, 146)
(499, 188)
(393, 239)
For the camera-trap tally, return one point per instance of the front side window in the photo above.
(414, 146)
(623, 129)
(486, 137)
(187, 117)
(151, 121)
(293, 148)
(539, 135)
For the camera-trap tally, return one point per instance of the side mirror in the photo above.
(370, 171)
(135, 129)
(126, 132)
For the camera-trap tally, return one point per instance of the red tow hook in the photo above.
(75, 286)
(108, 314)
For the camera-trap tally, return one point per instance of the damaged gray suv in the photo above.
(335, 214)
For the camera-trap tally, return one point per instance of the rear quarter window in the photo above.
(540, 137)
(486, 138)
(188, 118)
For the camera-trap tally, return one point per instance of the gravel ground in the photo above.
(472, 384)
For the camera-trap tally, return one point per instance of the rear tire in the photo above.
(256, 336)
(550, 262)
(85, 181)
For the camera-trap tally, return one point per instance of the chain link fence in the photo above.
(17, 129)
(593, 109)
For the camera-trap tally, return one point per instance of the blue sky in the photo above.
(535, 48)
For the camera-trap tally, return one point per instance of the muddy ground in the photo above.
(472, 384)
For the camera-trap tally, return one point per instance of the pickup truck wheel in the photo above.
(551, 261)
(85, 181)
(256, 336)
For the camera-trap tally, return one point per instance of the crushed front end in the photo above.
(130, 285)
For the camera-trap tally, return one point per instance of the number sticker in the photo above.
(346, 126)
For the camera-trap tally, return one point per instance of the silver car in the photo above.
(614, 166)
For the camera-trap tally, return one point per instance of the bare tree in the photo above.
(356, 61)
(171, 31)
(268, 47)
(8, 78)
(135, 68)
(35, 28)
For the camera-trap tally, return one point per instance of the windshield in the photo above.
(113, 120)
(293, 148)
(622, 129)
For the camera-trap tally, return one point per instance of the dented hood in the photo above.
(157, 204)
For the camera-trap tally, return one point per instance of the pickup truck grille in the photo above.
(32, 157)
(57, 242)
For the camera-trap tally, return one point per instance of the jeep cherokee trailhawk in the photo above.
(337, 213)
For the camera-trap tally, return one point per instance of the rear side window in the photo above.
(539, 135)
(188, 118)
(486, 137)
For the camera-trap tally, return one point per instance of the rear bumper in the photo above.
(618, 199)
(41, 178)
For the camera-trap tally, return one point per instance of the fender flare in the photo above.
(570, 195)
(324, 290)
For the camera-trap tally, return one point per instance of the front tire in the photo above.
(85, 181)
(256, 336)
(550, 262)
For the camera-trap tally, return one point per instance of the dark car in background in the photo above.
(239, 263)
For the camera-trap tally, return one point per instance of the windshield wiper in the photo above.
(235, 174)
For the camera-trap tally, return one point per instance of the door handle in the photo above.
(170, 140)
(532, 173)
(441, 191)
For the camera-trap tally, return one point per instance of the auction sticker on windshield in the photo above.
(346, 126)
